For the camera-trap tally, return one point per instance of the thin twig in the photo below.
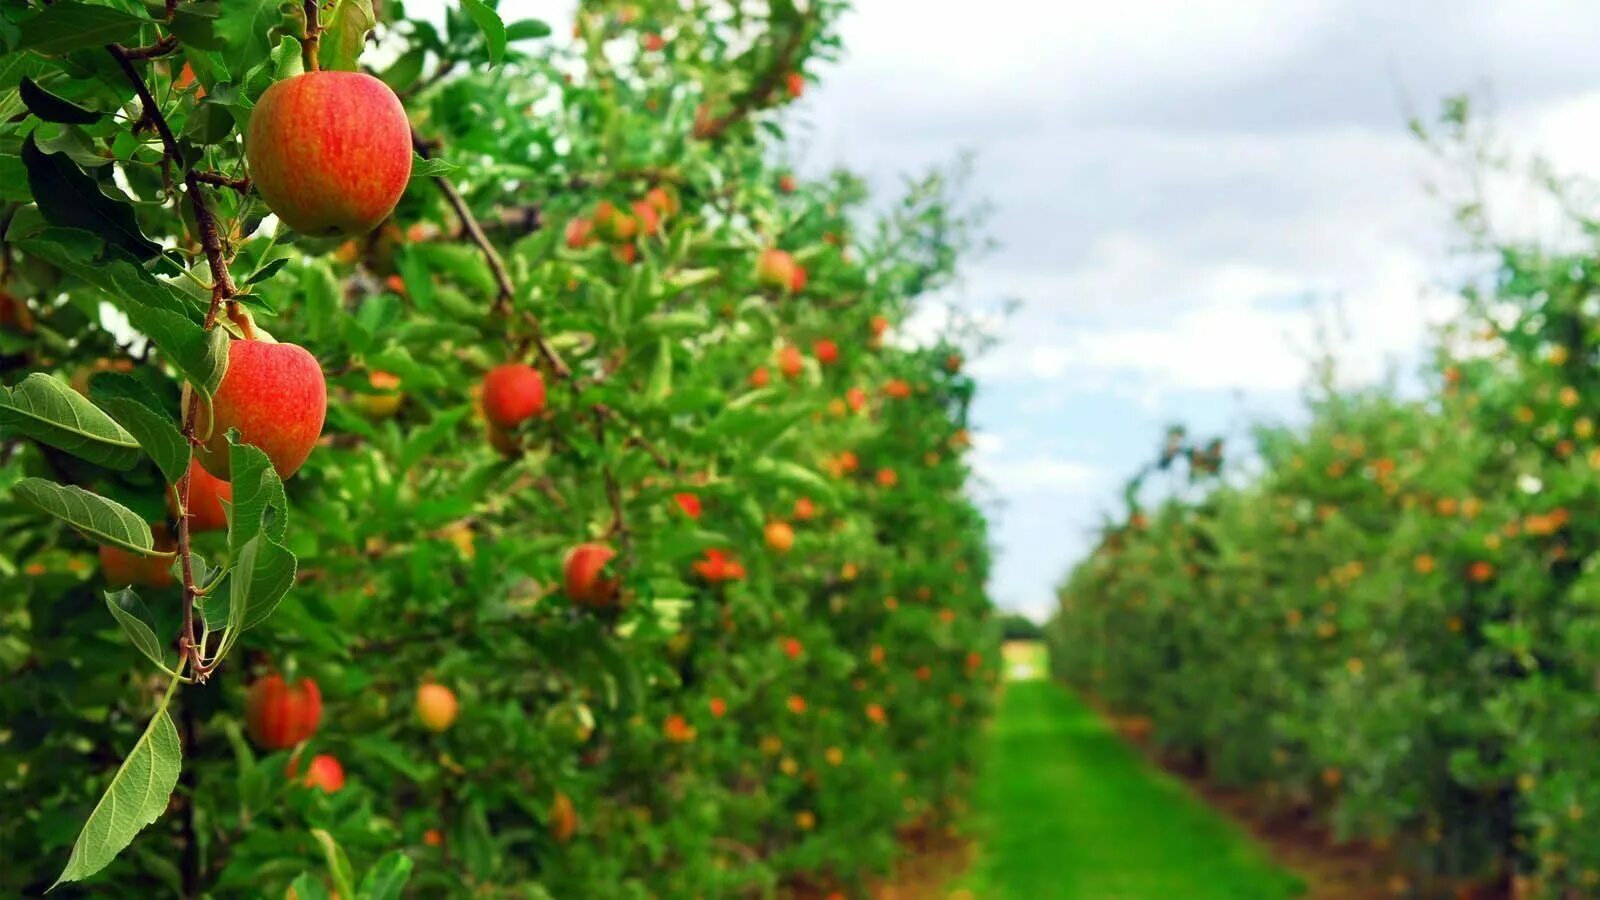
(159, 48)
(242, 185)
(761, 93)
(222, 293)
(505, 290)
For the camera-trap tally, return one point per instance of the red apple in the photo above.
(649, 220)
(512, 393)
(790, 362)
(206, 495)
(124, 569)
(325, 773)
(279, 715)
(580, 233)
(796, 83)
(826, 352)
(760, 378)
(330, 152)
(583, 572)
(274, 394)
(436, 706)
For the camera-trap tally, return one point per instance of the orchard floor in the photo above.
(1066, 810)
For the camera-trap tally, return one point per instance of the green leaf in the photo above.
(195, 24)
(134, 617)
(262, 574)
(132, 405)
(307, 887)
(245, 29)
(13, 68)
(794, 475)
(387, 878)
(50, 108)
(430, 168)
(259, 503)
(69, 198)
(268, 270)
(660, 386)
(405, 71)
(526, 29)
(338, 865)
(98, 519)
(345, 35)
(50, 412)
(156, 309)
(137, 796)
(494, 31)
(67, 26)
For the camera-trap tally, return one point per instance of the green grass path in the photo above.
(1066, 811)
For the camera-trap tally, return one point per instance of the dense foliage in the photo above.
(706, 619)
(1391, 619)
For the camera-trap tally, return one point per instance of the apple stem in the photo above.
(222, 293)
(313, 36)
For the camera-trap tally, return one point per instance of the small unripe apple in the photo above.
(324, 772)
(790, 362)
(776, 269)
(279, 715)
(826, 352)
(206, 495)
(512, 393)
(436, 706)
(330, 152)
(274, 394)
(124, 569)
(780, 537)
(384, 404)
(952, 363)
(583, 575)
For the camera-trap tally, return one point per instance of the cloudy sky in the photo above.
(1183, 191)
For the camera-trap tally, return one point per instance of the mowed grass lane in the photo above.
(1067, 811)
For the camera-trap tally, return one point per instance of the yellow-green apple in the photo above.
(436, 706)
(780, 537)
